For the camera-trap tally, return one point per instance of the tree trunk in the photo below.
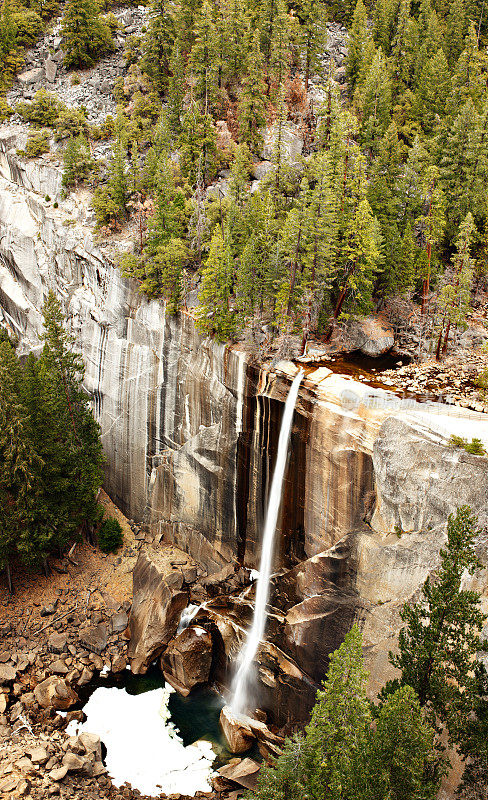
(294, 272)
(9, 577)
(439, 340)
(446, 338)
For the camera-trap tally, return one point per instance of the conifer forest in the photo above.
(244, 399)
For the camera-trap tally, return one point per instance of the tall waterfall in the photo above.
(240, 686)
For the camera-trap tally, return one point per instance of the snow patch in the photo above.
(143, 745)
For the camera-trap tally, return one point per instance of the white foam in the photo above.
(143, 746)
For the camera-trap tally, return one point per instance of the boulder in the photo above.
(8, 673)
(58, 667)
(119, 622)
(95, 638)
(371, 335)
(237, 730)
(261, 169)
(73, 762)
(58, 773)
(38, 755)
(50, 68)
(57, 642)
(187, 659)
(91, 744)
(31, 76)
(54, 692)
(291, 142)
(155, 612)
(242, 771)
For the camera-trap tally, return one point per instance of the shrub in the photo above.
(71, 122)
(36, 145)
(475, 446)
(5, 110)
(110, 536)
(78, 163)
(29, 26)
(75, 79)
(43, 110)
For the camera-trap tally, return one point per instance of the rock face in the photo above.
(187, 659)
(190, 431)
(155, 613)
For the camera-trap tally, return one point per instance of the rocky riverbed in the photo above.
(61, 634)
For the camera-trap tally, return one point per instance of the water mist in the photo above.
(242, 680)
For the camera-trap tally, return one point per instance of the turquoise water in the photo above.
(195, 717)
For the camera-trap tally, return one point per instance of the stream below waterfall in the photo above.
(153, 738)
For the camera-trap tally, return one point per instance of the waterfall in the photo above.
(187, 615)
(241, 681)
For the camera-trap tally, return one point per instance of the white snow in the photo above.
(143, 746)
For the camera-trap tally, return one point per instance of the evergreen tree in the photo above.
(373, 98)
(19, 470)
(198, 145)
(455, 297)
(403, 756)
(342, 756)
(67, 436)
(442, 632)
(163, 275)
(313, 18)
(358, 40)
(432, 224)
(86, 36)
(158, 44)
(216, 315)
(433, 90)
(203, 64)
(77, 162)
(252, 107)
(456, 30)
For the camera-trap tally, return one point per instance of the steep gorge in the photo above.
(190, 427)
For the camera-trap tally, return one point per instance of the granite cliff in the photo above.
(190, 427)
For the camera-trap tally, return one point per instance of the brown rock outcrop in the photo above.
(187, 660)
(155, 613)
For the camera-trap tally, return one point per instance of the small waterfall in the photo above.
(187, 615)
(240, 686)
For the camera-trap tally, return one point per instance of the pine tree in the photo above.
(373, 98)
(403, 760)
(203, 65)
(252, 106)
(456, 30)
(19, 470)
(455, 297)
(164, 273)
(158, 44)
(176, 88)
(433, 90)
(384, 18)
(77, 162)
(86, 36)
(313, 18)
(216, 315)
(284, 32)
(441, 635)
(358, 39)
(67, 436)
(432, 224)
(198, 145)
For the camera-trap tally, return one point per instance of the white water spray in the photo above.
(187, 615)
(241, 681)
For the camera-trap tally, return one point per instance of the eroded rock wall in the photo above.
(190, 429)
